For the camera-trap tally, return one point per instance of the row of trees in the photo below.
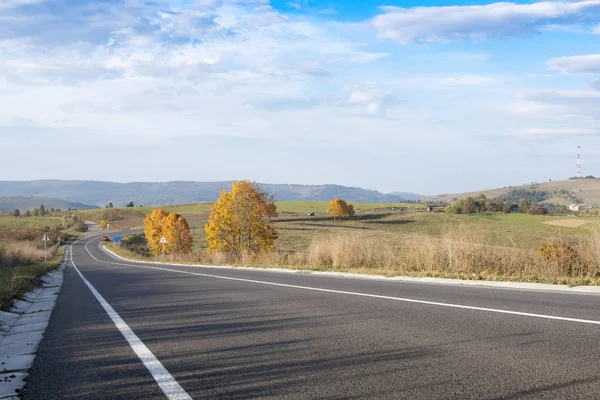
(128, 205)
(480, 204)
(531, 195)
(239, 222)
(28, 213)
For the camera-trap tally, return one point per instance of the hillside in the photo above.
(8, 203)
(587, 190)
(160, 193)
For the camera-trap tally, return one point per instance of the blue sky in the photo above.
(434, 97)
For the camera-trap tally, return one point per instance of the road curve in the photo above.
(242, 334)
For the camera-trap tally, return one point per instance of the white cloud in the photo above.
(430, 24)
(371, 98)
(577, 65)
(18, 3)
(554, 132)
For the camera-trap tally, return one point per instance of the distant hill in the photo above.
(407, 195)
(585, 190)
(160, 193)
(9, 203)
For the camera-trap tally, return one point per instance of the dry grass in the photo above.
(21, 267)
(567, 223)
(19, 253)
(490, 247)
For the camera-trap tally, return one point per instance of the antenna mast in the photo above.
(578, 161)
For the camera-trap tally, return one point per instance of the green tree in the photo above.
(16, 212)
(42, 210)
(351, 211)
(468, 206)
(130, 204)
(524, 205)
(36, 212)
(110, 205)
(27, 213)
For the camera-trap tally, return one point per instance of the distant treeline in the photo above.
(531, 195)
(482, 204)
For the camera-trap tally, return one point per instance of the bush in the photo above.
(560, 254)
(81, 227)
(69, 221)
(537, 210)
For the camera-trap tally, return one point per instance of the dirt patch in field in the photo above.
(567, 223)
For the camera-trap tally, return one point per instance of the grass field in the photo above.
(519, 230)
(303, 207)
(418, 243)
(122, 218)
(22, 223)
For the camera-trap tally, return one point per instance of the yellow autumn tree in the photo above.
(177, 232)
(154, 230)
(239, 221)
(173, 227)
(338, 208)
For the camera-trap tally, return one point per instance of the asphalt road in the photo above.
(240, 334)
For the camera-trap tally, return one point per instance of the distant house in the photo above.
(574, 207)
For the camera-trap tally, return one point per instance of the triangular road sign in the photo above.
(163, 240)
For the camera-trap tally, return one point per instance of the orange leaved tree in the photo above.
(240, 220)
(173, 227)
(153, 230)
(338, 208)
(177, 233)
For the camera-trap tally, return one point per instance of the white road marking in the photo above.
(376, 296)
(165, 380)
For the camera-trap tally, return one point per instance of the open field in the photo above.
(320, 207)
(567, 223)
(588, 190)
(519, 230)
(495, 246)
(10, 223)
(122, 218)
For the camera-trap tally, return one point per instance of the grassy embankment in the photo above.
(417, 243)
(22, 254)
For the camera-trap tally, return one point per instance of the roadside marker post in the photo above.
(163, 240)
(45, 240)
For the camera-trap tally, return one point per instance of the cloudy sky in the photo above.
(430, 97)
